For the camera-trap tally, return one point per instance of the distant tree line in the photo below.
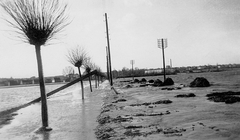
(29, 81)
(126, 72)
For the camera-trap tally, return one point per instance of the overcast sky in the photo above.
(198, 32)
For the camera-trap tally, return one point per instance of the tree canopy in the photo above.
(37, 21)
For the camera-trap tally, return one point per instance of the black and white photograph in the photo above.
(119, 69)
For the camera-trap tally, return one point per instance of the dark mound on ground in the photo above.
(185, 95)
(227, 97)
(153, 103)
(171, 88)
(162, 102)
(125, 81)
(128, 86)
(136, 81)
(143, 85)
(119, 100)
(157, 83)
(143, 80)
(200, 82)
(151, 81)
(168, 82)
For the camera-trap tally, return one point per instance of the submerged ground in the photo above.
(70, 117)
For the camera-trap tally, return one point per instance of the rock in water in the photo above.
(200, 82)
(168, 82)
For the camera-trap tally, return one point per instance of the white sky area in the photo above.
(199, 32)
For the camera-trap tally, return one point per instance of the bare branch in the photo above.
(77, 56)
(99, 71)
(37, 21)
(88, 65)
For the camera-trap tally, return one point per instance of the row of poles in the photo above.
(108, 54)
(162, 44)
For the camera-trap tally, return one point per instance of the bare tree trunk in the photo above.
(80, 75)
(98, 81)
(95, 81)
(90, 83)
(42, 88)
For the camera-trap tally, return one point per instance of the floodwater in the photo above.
(16, 96)
(70, 117)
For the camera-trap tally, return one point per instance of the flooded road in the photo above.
(15, 96)
(70, 117)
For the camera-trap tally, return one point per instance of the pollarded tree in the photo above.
(88, 66)
(37, 22)
(99, 73)
(95, 67)
(77, 57)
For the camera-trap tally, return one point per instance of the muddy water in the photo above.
(70, 117)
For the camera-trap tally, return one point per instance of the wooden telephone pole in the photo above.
(162, 44)
(107, 63)
(132, 62)
(109, 54)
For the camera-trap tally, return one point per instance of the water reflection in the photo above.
(41, 134)
(83, 118)
(46, 136)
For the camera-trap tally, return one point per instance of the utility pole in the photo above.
(107, 63)
(171, 63)
(162, 44)
(109, 54)
(132, 62)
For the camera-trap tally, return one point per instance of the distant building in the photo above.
(153, 71)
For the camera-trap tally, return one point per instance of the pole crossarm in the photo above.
(65, 86)
(162, 43)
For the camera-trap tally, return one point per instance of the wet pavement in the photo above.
(70, 117)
